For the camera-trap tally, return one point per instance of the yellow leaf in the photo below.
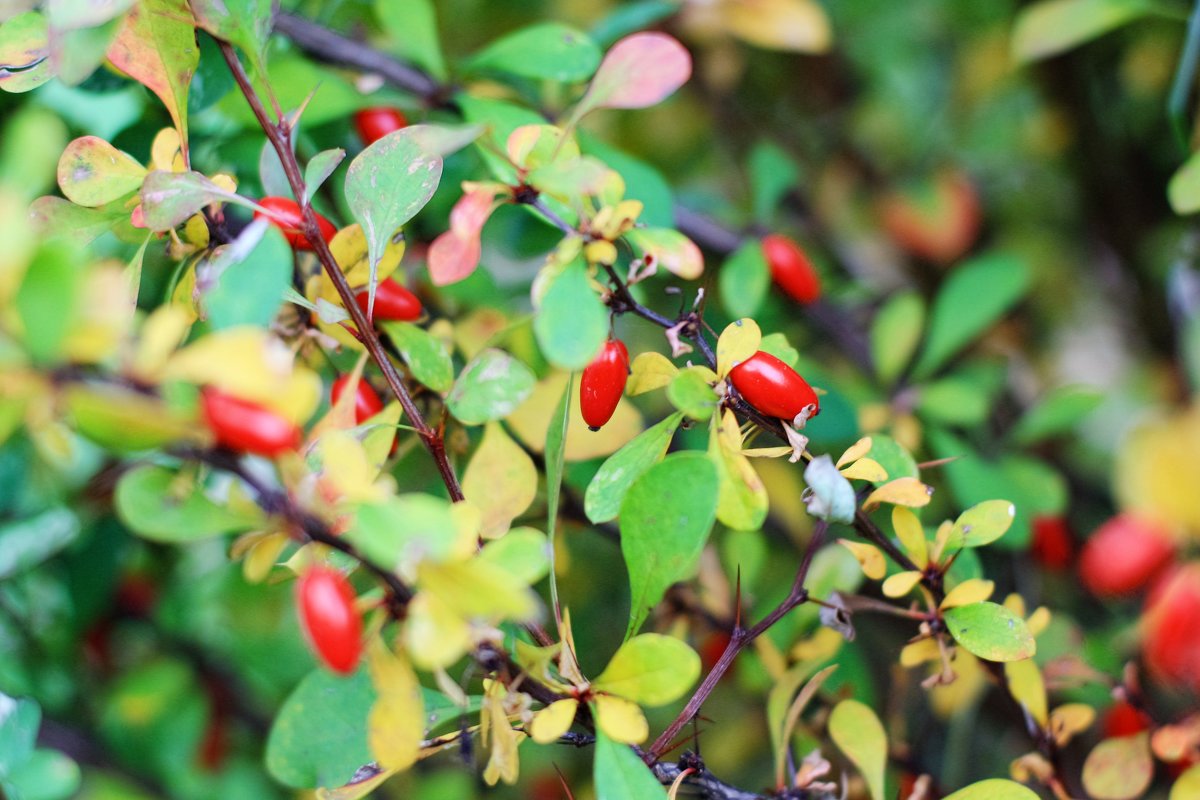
(478, 330)
(396, 724)
(901, 583)
(344, 472)
(620, 719)
(263, 555)
(1027, 687)
(737, 342)
(866, 469)
(1015, 603)
(1038, 620)
(650, 371)
(528, 423)
(855, 451)
(940, 539)
(553, 721)
(434, 636)
(501, 480)
(101, 324)
(975, 590)
(1187, 785)
(901, 492)
(1070, 719)
(477, 589)
(873, 564)
(971, 680)
(468, 525)
(916, 653)
(1120, 768)
(796, 25)
(503, 764)
(357, 790)
(768, 452)
(165, 149)
(1157, 471)
(349, 248)
(911, 534)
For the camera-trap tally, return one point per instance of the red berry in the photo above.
(366, 402)
(1124, 554)
(375, 123)
(773, 387)
(285, 214)
(330, 621)
(1170, 642)
(603, 383)
(393, 302)
(1122, 719)
(791, 269)
(1052, 545)
(248, 427)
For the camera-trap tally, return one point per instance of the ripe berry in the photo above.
(1124, 554)
(330, 621)
(375, 123)
(366, 402)
(603, 383)
(1170, 644)
(248, 427)
(1122, 719)
(285, 214)
(774, 388)
(791, 269)
(393, 302)
(1052, 546)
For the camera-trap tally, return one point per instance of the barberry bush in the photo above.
(730, 399)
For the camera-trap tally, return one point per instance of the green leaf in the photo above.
(413, 33)
(972, 298)
(522, 552)
(545, 51)
(895, 460)
(248, 278)
(859, 734)
(1119, 769)
(47, 775)
(169, 198)
(651, 670)
(427, 356)
(405, 529)
(642, 181)
(895, 332)
(319, 737)
(245, 23)
(832, 496)
(388, 183)
(990, 631)
(744, 280)
(571, 323)
(76, 52)
(665, 519)
(742, 501)
(670, 249)
(1058, 412)
(56, 218)
(1183, 191)
(293, 78)
(981, 524)
(777, 345)
(625, 19)
(25, 50)
(1049, 27)
(27, 542)
(319, 168)
(19, 722)
(555, 454)
(605, 493)
(156, 46)
(620, 775)
(994, 789)
(773, 173)
(689, 392)
(91, 172)
(954, 400)
(31, 143)
(123, 420)
(490, 387)
(48, 299)
(148, 500)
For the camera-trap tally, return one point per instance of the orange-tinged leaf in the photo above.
(91, 172)
(1027, 687)
(901, 583)
(638, 71)
(1119, 769)
(454, 255)
(975, 590)
(869, 557)
(911, 534)
(908, 492)
(501, 480)
(620, 719)
(553, 721)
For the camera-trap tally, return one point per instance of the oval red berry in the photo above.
(603, 383)
(773, 387)
(248, 427)
(375, 123)
(330, 621)
(393, 302)
(1124, 554)
(791, 268)
(284, 213)
(366, 402)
